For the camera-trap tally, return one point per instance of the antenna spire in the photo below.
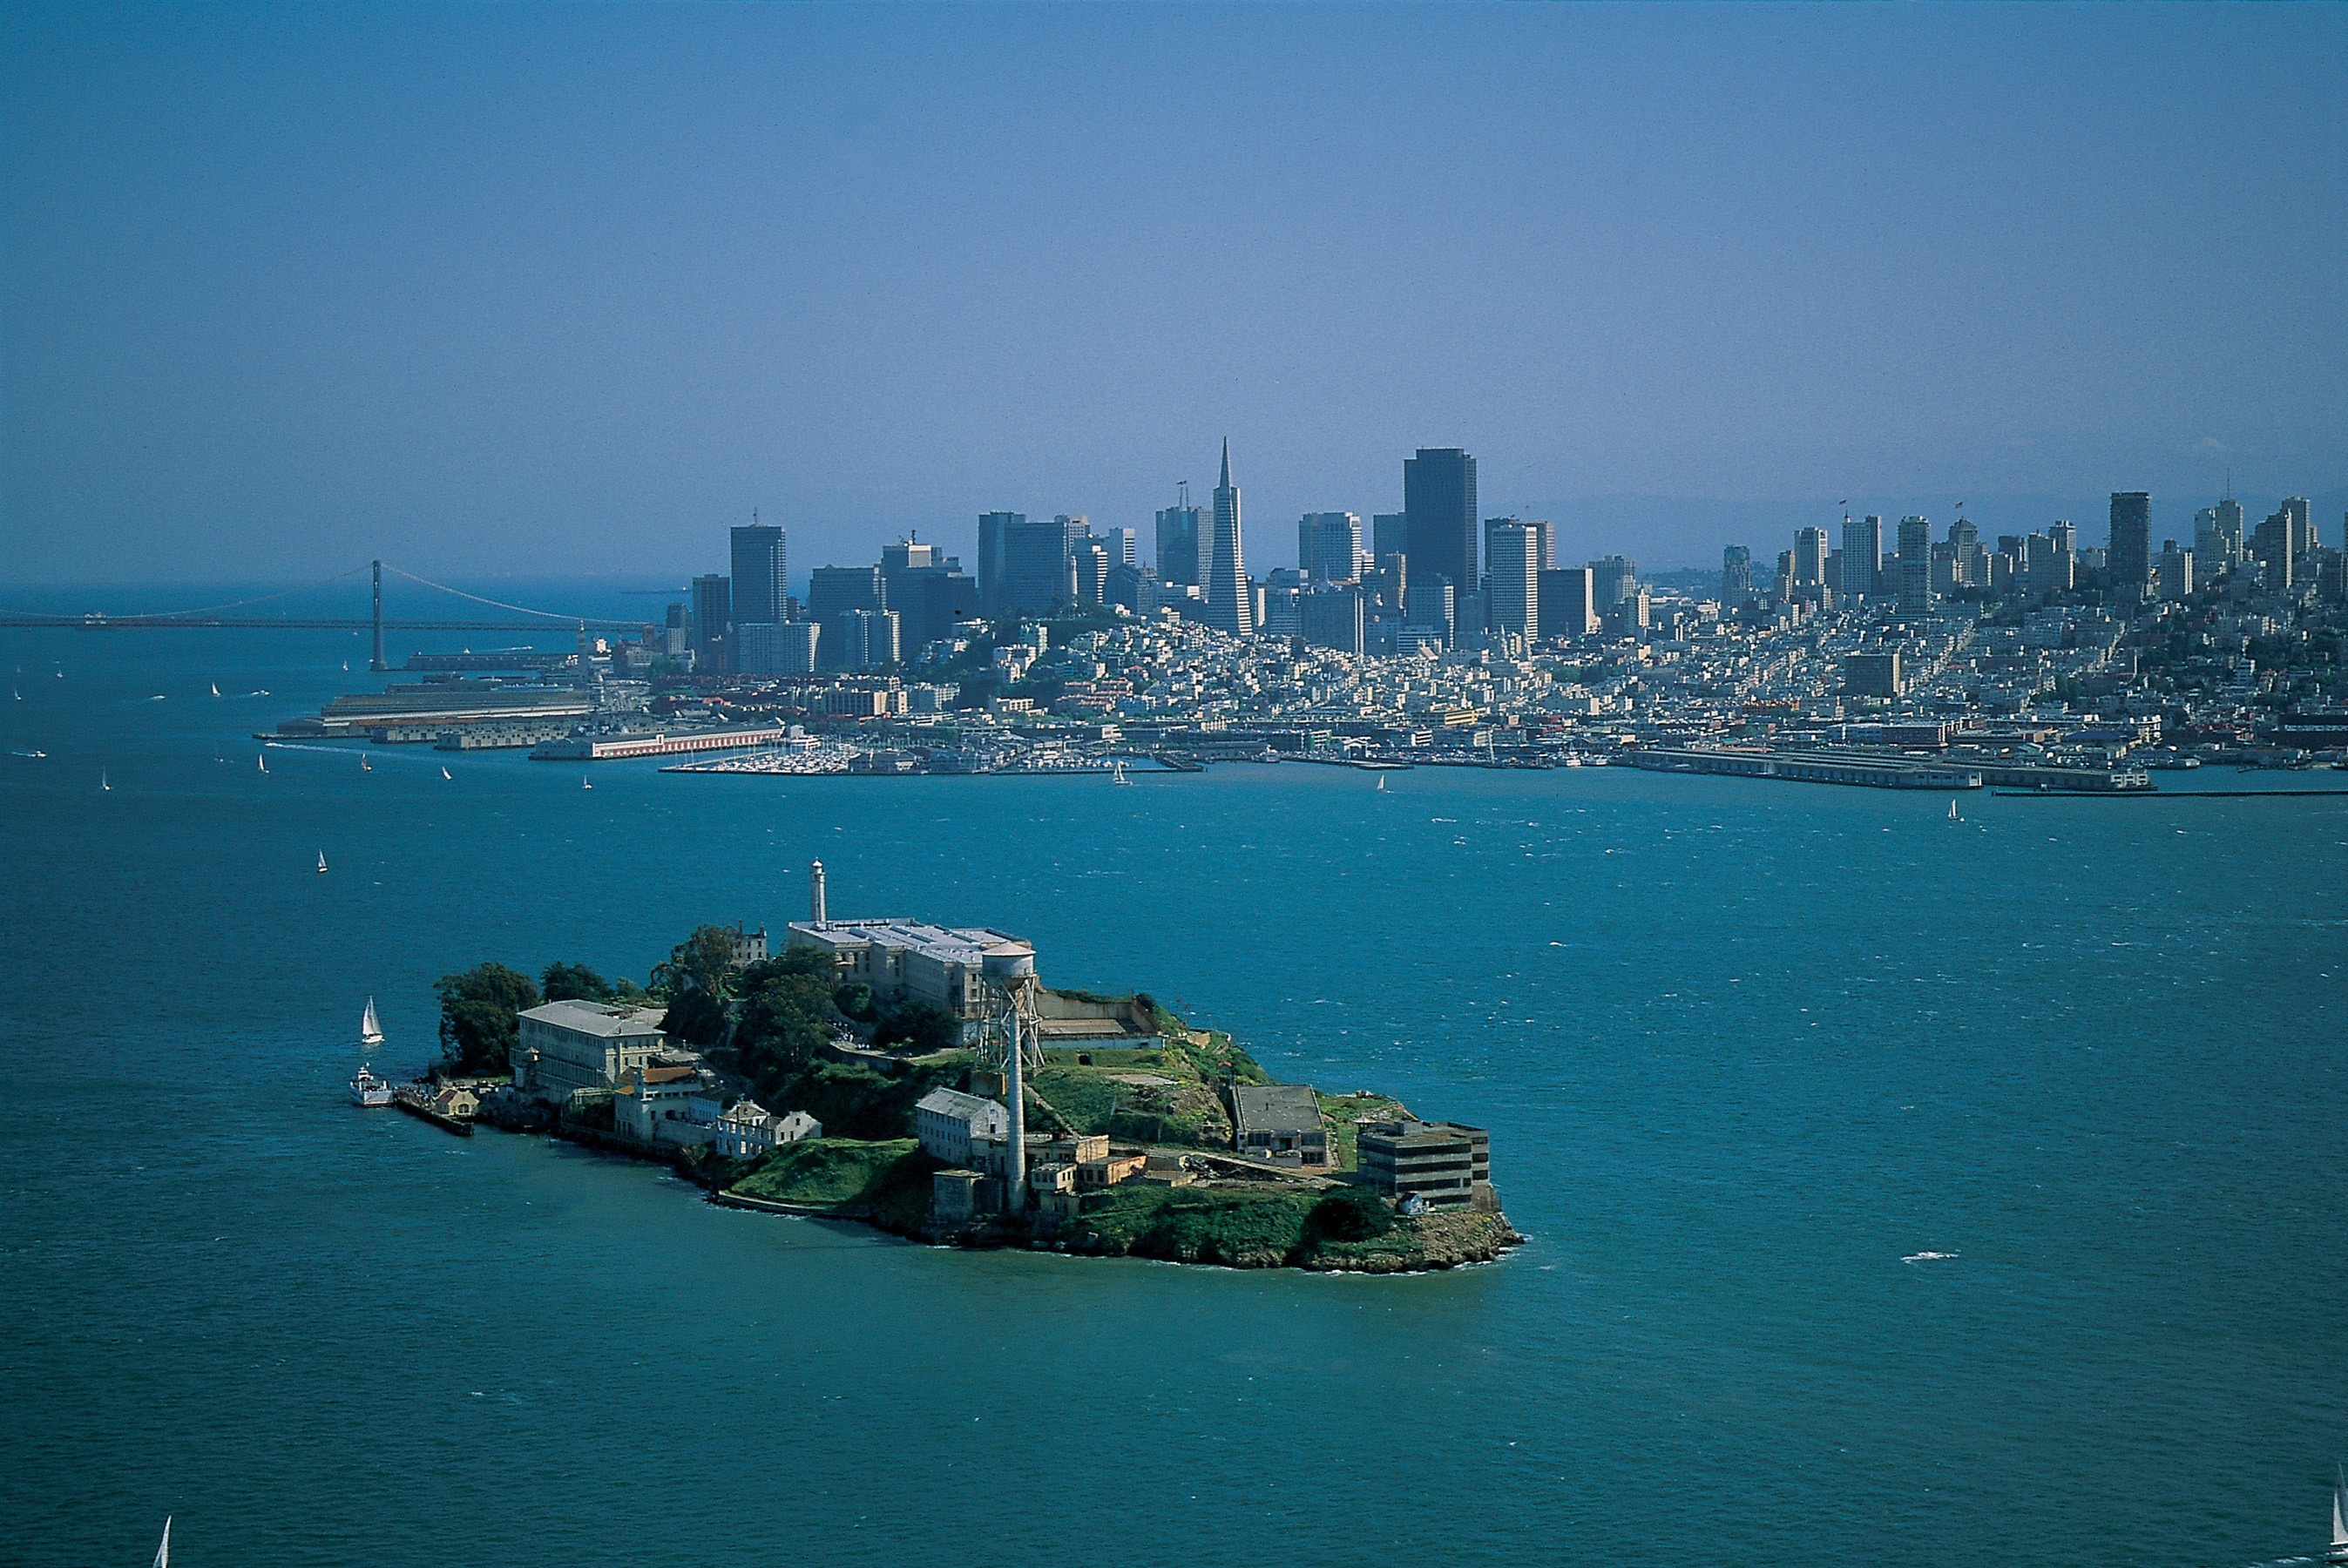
(1227, 463)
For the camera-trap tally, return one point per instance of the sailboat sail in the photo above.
(370, 1029)
(2340, 1517)
(164, 1553)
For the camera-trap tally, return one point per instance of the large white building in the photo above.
(911, 961)
(565, 1047)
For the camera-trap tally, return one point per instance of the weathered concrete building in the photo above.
(1279, 1121)
(1443, 1163)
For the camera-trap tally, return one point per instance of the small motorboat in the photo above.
(369, 1093)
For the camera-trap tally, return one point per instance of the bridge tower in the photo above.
(378, 664)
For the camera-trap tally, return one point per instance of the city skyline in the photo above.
(286, 290)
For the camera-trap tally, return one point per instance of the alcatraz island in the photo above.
(923, 1079)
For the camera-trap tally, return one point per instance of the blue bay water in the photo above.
(1743, 1048)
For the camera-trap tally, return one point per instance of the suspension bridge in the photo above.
(216, 617)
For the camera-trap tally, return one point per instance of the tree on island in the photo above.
(786, 1014)
(921, 1028)
(696, 1017)
(573, 983)
(705, 960)
(479, 1010)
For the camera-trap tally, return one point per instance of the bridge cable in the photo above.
(209, 609)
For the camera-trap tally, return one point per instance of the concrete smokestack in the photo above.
(1014, 1168)
(814, 894)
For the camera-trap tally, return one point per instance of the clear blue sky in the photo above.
(548, 289)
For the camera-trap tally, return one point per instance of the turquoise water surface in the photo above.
(1745, 1048)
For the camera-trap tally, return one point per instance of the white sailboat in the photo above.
(586, 782)
(1381, 784)
(370, 1029)
(1117, 772)
(164, 1553)
(261, 761)
(215, 688)
(447, 775)
(1952, 811)
(2339, 1553)
(365, 766)
(322, 863)
(103, 786)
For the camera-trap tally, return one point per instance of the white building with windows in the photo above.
(911, 961)
(562, 1047)
(947, 1119)
(748, 1130)
(667, 1102)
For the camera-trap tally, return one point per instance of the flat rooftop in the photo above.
(953, 944)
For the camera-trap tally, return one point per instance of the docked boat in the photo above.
(370, 1028)
(2339, 1551)
(368, 1091)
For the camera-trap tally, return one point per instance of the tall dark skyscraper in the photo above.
(1439, 504)
(758, 589)
(994, 557)
(1179, 528)
(712, 611)
(2130, 555)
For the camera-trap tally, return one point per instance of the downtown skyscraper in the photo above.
(758, 591)
(1230, 598)
(1438, 501)
(2129, 552)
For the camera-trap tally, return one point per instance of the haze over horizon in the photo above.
(523, 291)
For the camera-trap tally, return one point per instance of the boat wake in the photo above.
(1928, 1257)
